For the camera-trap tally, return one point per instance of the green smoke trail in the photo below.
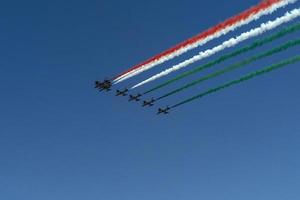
(254, 45)
(235, 66)
(242, 79)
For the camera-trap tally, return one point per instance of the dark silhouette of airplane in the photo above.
(149, 103)
(105, 85)
(98, 84)
(134, 98)
(163, 111)
(122, 93)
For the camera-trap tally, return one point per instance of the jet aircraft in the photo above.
(134, 98)
(122, 93)
(149, 103)
(163, 111)
(105, 85)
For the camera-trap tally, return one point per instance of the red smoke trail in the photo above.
(229, 22)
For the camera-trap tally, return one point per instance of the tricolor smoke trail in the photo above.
(242, 79)
(227, 44)
(234, 66)
(221, 59)
(254, 13)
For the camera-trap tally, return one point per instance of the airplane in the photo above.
(122, 93)
(134, 98)
(149, 103)
(105, 85)
(163, 111)
(99, 84)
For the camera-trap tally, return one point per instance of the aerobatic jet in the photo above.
(149, 103)
(163, 111)
(122, 93)
(134, 98)
(98, 84)
(105, 85)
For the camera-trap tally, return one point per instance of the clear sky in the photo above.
(60, 139)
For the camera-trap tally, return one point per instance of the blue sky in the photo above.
(60, 139)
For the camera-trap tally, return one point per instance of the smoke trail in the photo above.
(242, 79)
(254, 13)
(227, 44)
(254, 45)
(235, 66)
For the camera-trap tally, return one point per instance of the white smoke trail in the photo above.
(227, 44)
(203, 41)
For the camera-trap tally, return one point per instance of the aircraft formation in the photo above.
(251, 15)
(107, 84)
